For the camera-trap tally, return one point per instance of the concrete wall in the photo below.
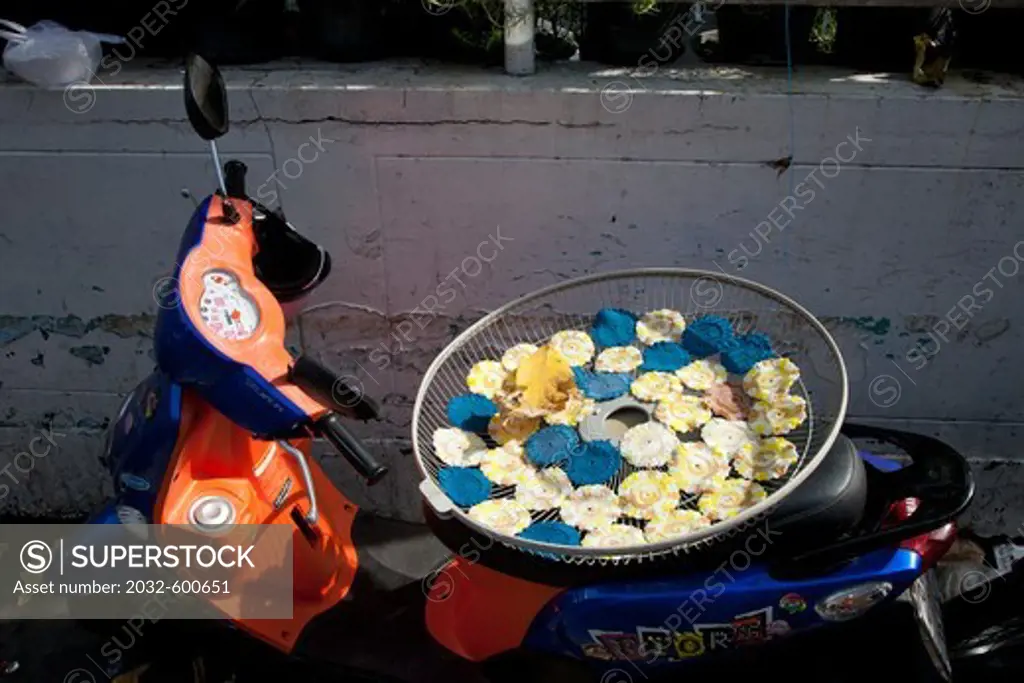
(415, 168)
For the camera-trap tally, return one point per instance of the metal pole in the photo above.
(519, 24)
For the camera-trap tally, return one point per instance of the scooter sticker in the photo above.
(752, 628)
(226, 308)
(619, 645)
(717, 637)
(649, 645)
(282, 495)
(597, 651)
(778, 629)
(134, 482)
(150, 403)
(659, 643)
(792, 603)
(654, 642)
(128, 422)
(689, 645)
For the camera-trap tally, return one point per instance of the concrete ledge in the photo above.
(731, 114)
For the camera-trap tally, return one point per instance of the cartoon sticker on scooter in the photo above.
(792, 603)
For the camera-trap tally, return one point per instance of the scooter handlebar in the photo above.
(332, 390)
(332, 429)
(335, 393)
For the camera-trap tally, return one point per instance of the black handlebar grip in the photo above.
(234, 179)
(331, 428)
(332, 390)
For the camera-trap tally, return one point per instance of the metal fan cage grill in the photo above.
(749, 306)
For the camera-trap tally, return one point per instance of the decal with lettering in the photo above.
(654, 643)
(717, 637)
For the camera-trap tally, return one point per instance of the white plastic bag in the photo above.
(50, 55)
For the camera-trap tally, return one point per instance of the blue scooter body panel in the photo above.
(653, 624)
(142, 442)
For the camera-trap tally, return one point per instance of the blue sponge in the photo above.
(466, 486)
(471, 412)
(748, 351)
(758, 340)
(599, 462)
(602, 386)
(557, 533)
(552, 445)
(664, 357)
(613, 327)
(708, 335)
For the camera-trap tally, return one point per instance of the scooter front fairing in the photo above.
(224, 420)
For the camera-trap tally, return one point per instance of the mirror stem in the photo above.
(229, 209)
(216, 165)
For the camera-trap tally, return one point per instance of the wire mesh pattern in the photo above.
(571, 305)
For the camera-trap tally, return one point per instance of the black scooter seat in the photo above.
(832, 499)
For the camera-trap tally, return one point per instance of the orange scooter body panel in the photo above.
(477, 612)
(265, 484)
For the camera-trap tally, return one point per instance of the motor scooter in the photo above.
(220, 434)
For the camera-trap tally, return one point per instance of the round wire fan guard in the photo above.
(572, 305)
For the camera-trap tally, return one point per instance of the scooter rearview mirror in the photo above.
(206, 98)
(206, 101)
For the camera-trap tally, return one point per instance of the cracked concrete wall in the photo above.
(413, 169)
